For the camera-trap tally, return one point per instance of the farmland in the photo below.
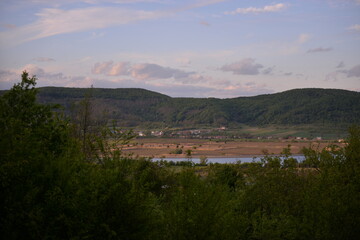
(166, 147)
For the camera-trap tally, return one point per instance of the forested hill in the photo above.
(133, 107)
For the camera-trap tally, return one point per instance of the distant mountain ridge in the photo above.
(135, 107)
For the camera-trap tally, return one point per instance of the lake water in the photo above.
(299, 158)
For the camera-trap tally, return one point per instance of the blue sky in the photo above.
(188, 48)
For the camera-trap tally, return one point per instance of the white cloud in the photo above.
(246, 66)
(204, 23)
(54, 21)
(92, 2)
(100, 68)
(270, 8)
(144, 71)
(355, 28)
(140, 71)
(121, 68)
(303, 38)
(35, 70)
(353, 72)
(172, 81)
(8, 26)
(7, 76)
(44, 78)
(195, 85)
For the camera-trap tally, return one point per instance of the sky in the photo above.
(182, 48)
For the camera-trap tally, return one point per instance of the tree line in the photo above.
(63, 178)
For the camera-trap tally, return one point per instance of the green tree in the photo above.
(89, 123)
(188, 153)
(196, 209)
(49, 192)
(34, 162)
(203, 160)
(337, 214)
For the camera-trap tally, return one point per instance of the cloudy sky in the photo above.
(187, 48)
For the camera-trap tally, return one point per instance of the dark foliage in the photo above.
(50, 189)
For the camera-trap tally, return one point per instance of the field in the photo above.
(305, 131)
(166, 147)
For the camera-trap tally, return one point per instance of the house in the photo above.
(157, 133)
(141, 134)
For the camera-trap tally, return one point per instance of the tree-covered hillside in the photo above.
(299, 106)
(133, 107)
(129, 106)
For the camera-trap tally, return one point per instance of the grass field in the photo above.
(304, 131)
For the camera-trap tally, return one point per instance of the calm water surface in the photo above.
(299, 158)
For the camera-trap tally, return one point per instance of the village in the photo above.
(223, 133)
